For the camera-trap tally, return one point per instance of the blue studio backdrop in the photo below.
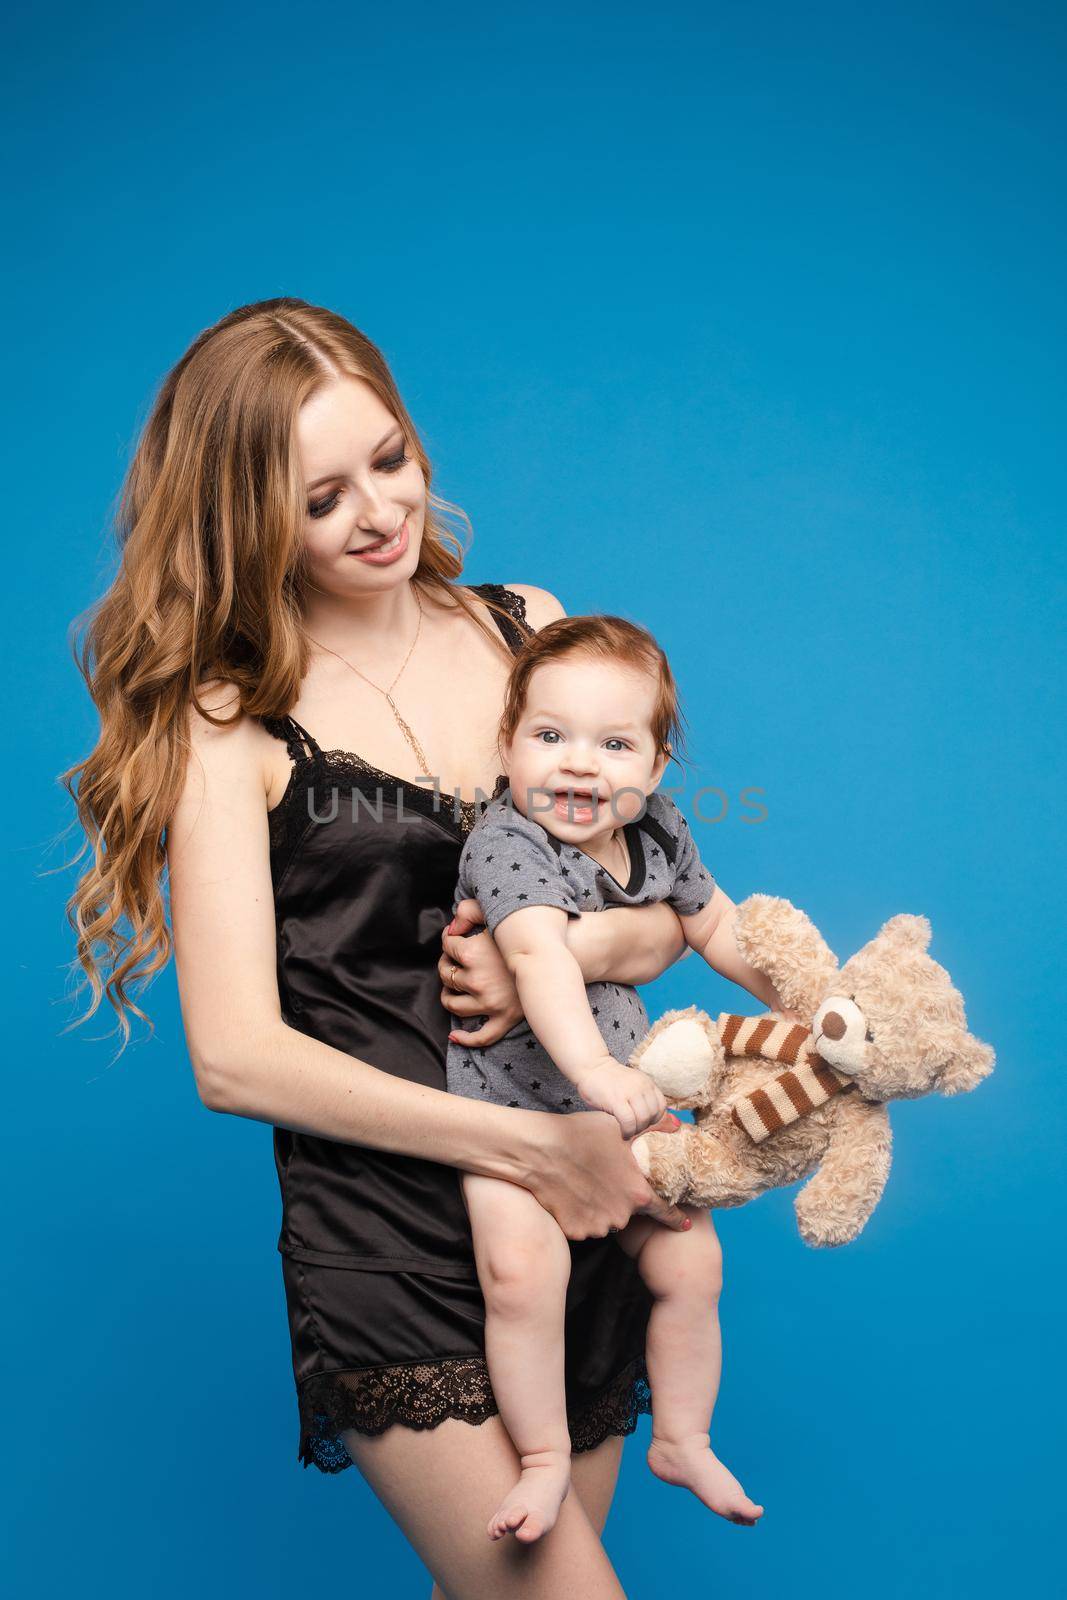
(740, 321)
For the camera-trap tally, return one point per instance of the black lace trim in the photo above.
(423, 1394)
(316, 772)
(286, 822)
(515, 606)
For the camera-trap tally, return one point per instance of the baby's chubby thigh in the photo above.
(521, 1252)
(674, 1264)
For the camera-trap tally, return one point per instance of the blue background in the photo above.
(739, 320)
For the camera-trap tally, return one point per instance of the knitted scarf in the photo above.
(808, 1081)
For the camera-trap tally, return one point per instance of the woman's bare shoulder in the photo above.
(234, 744)
(218, 698)
(541, 605)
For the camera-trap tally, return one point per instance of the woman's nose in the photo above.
(377, 514)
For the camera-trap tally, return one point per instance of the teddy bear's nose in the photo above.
(833, 1025)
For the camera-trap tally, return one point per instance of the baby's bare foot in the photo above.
(533, 1505)
(691, 1464)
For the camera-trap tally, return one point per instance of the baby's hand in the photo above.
(781, 1010)
(629, 1094)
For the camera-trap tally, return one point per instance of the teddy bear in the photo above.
(775, 1101)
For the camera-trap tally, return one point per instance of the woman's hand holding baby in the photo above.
(476, 978)
(629, 1095)
(584, 1173)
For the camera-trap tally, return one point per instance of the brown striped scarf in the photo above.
(808, 1081)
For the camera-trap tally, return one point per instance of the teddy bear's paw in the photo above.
(684, 1057)
(662, 1159)
(824, 1226)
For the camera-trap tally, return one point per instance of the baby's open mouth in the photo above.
(575, 805)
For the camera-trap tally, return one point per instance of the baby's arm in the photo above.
(551, 989)
(707, 915)
(710, 932)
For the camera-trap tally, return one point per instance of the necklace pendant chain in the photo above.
(405, 727)
(410, 737)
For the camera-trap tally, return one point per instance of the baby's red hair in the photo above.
(605, 638)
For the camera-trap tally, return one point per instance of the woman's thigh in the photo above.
(442, 1485)
(594, 1474)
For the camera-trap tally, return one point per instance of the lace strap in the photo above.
(517, 631)
(299, 743)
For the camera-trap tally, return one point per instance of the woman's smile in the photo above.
(385, 550)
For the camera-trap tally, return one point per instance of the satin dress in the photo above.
(386, 1316)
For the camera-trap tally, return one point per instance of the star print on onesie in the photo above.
(510, 861)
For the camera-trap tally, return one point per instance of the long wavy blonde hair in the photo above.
(210, 586)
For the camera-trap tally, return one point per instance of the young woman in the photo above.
(284, 570)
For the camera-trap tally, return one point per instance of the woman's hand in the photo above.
(582, 1170)
(477, 980)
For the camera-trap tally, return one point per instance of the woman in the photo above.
(283, 568)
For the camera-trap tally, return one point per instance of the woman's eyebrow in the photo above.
(396, 428)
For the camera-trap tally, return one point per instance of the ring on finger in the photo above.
(452, 977)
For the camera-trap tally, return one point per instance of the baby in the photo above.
(575, 826)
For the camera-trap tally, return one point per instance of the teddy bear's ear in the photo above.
(907, 929)
(970, 1062)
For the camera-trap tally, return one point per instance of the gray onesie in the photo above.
(510, 861)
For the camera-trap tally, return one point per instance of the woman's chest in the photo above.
(436, 727)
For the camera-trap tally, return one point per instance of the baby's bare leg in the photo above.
(684, 1356)
(524, 1265)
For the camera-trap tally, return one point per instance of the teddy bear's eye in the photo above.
(870, 1036)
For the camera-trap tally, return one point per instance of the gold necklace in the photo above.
(405, 727)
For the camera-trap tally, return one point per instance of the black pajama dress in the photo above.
(386, 1316)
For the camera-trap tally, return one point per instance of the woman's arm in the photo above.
(632, 945)
(249, 1062)
(627, 944)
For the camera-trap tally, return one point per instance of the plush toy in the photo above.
(774, 1101)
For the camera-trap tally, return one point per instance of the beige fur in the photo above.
(890, 988)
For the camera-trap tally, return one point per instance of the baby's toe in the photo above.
(532, 1528)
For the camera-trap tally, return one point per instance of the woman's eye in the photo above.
(322, 508)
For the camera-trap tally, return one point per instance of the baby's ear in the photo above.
(970, 1062)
